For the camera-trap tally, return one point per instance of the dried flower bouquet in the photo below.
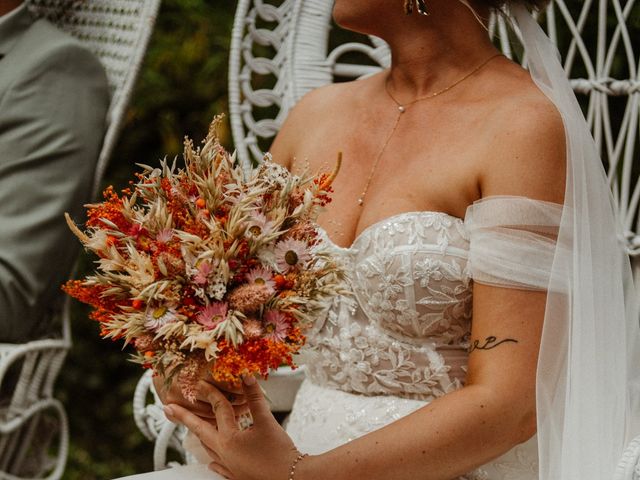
(201, 268)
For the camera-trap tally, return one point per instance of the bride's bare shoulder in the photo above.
(528, 147)
(309, 114)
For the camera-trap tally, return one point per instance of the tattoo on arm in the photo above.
(489, 343)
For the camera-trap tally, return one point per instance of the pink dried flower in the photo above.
(252, 328)
(261, 276)
(291, 254)
(189, 377)
(249, 298)
(165, 235)
(275, 326)
(212, 315)
(204, 270)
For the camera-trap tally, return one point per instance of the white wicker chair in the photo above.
(295, 36)
(117, 32)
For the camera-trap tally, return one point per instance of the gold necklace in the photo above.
(402, 108)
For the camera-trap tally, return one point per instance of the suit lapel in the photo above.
(12, 29)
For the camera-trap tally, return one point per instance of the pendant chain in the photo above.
(402, 108)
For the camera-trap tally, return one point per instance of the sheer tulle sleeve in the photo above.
(513, 241)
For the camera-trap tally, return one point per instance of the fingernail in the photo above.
(249, 380)
(168, 411)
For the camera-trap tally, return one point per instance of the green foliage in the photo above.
(182, 86)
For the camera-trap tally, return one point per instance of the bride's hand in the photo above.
(173, 394)
(262, 452)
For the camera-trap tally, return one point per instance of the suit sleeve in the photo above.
(52, 124)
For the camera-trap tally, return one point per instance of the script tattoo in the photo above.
(489, 343)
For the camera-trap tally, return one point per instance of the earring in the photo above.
(421, 6)
(408, 7)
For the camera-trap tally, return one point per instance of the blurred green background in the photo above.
(182, 86)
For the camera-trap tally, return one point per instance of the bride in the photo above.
(462, 215)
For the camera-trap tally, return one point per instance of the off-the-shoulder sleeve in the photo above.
(513, 241)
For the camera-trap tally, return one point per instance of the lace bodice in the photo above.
(403, 331)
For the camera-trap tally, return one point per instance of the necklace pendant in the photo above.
(361, 201)
(401, 108)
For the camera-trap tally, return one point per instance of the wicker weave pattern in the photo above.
(629, 467)
(117, 32)
(40, 361)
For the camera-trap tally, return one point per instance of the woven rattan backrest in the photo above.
(117, 32)
(283, 49)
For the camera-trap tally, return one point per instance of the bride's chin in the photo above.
(343, 16)
(356, 15)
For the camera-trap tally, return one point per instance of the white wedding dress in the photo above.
(400, 340)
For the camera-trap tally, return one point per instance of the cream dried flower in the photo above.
(258, 226)
(291, 254)
(261, 276)
(157, 317)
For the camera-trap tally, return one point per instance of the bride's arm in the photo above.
(462, 430)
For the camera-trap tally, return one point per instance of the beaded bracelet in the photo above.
(292, 472)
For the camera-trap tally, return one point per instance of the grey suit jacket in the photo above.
(53, 103)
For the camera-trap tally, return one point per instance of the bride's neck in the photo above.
(433, 52)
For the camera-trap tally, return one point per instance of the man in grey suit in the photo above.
(53, 103)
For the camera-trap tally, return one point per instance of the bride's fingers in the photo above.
(222, 409)
(204, 388)
(234, 398)
(218, 468)
(200, 408)
(212, 454)
(241, 410)
(225, 386)
(258, 405)
(203, 429)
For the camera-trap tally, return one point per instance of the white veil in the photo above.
(589, 367)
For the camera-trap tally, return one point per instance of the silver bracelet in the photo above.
(292, 472)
